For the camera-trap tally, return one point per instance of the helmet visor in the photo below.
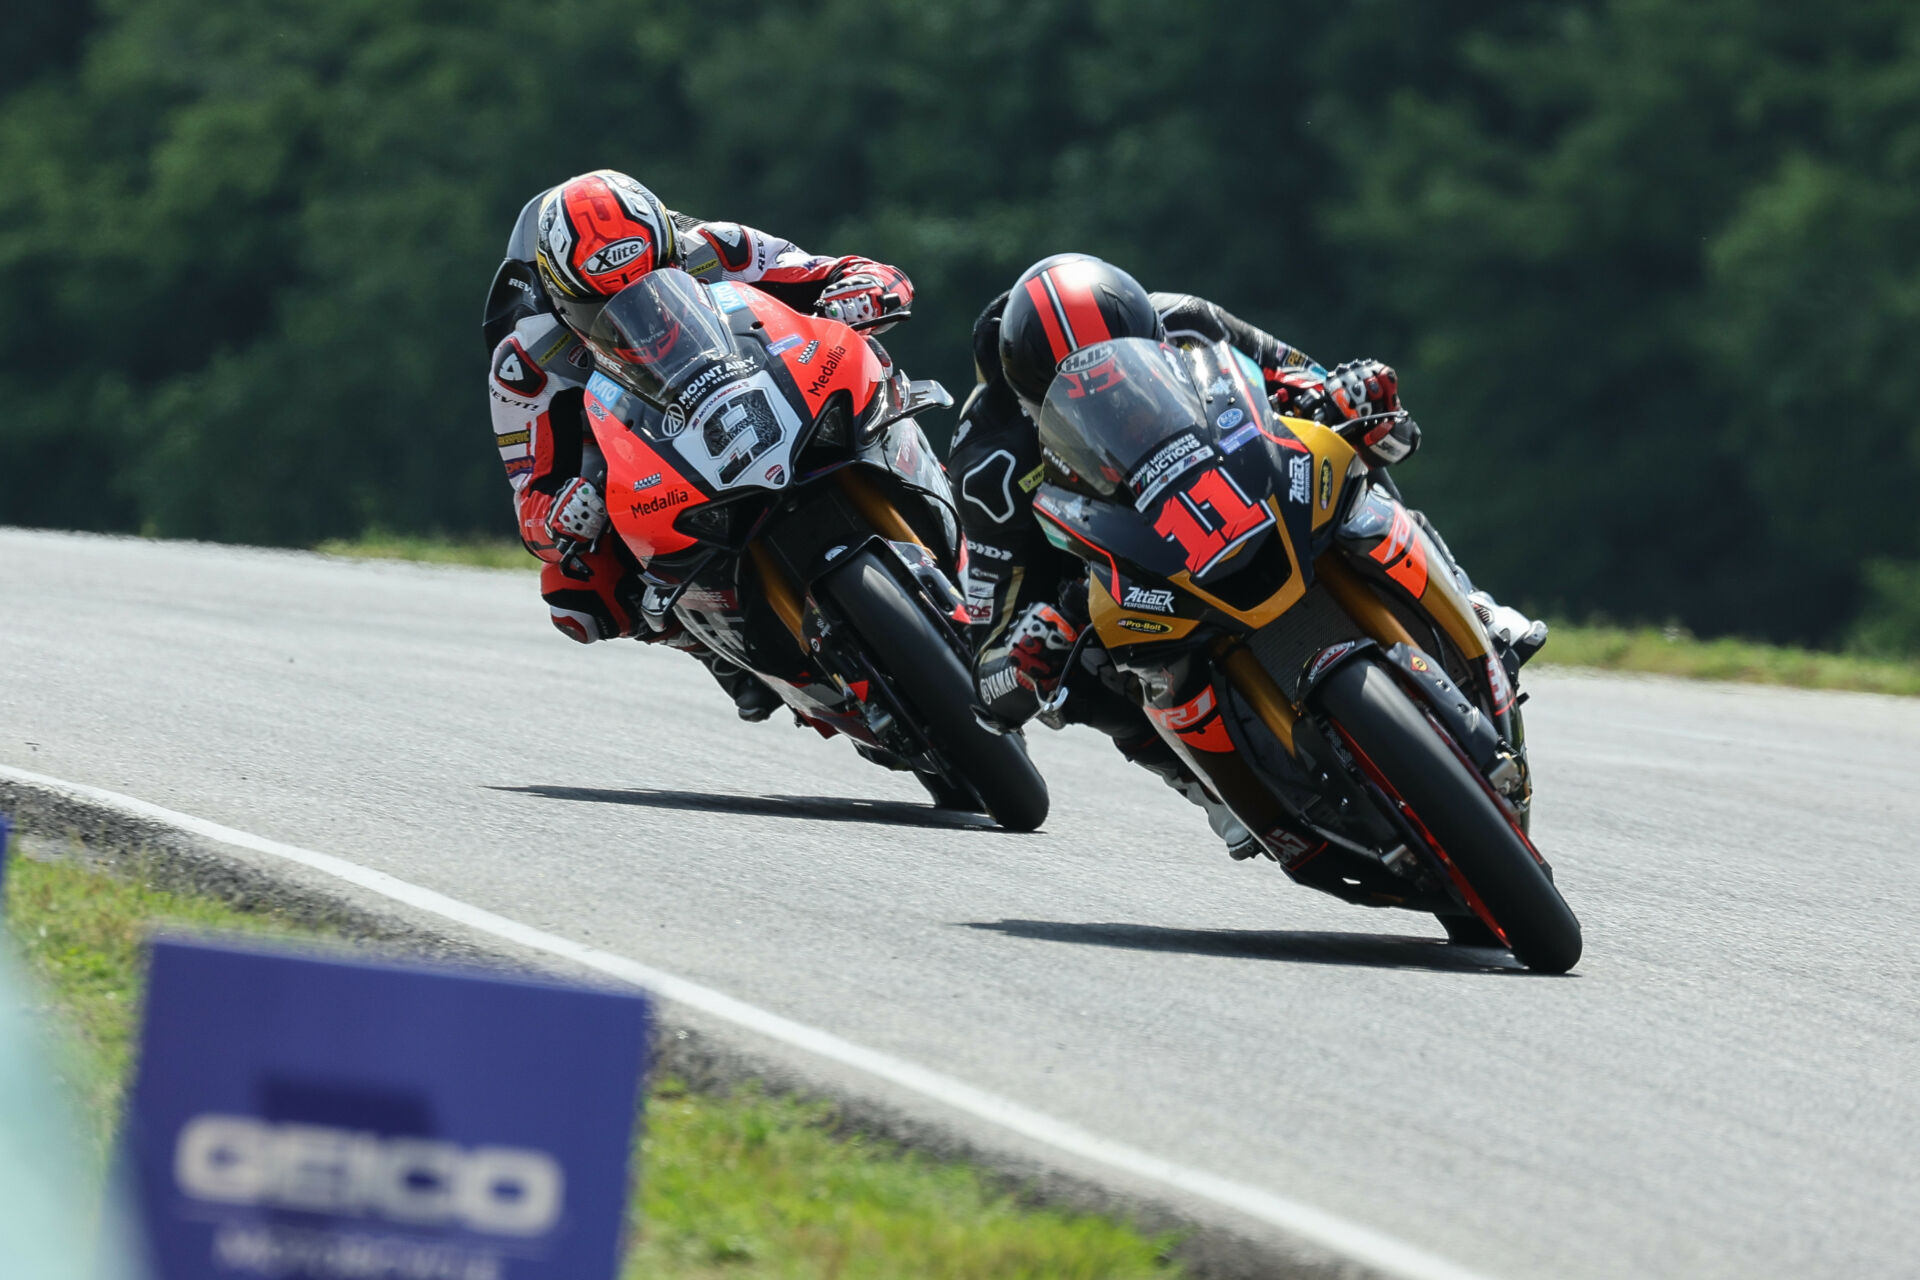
(1110, 409)
(658, 330)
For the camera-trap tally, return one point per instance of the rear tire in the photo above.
(929, 677)
(1484, 848)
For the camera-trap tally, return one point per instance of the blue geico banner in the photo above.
(306, 1118)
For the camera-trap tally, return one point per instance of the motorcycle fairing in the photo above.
(645, 491)
(1266, 492)
(828, 356)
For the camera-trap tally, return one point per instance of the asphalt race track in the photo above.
(1726, 1086)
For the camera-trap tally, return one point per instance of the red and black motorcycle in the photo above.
(766, 470)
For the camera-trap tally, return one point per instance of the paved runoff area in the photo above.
(1723, 1088)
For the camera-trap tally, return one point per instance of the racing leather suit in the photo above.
(536, 384)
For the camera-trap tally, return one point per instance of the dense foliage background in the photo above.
(1650, 268)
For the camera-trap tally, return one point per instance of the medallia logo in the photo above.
(665, 502)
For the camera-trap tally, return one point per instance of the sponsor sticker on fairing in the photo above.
(1229, 419)
(787, 343)
(1328, 656)
(1291, 849)
(1300, 479)
(1240, 437)
(720, 372)
(727, 298)
(1164, 464)
(1148, 599)
(605, 390)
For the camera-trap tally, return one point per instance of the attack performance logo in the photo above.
(1148, 600)
(1300, 479)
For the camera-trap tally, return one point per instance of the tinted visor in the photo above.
(1111, 408)
(656, 330)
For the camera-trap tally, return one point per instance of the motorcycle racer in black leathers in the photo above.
(1026, 599)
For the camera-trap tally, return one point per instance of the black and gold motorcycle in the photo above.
(1298, 638)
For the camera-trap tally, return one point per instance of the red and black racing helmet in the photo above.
(1061, 304)
(599, 233)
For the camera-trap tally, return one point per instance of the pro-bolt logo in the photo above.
(665, 502)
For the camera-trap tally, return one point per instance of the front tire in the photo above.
(1415, 764)
(935, 685)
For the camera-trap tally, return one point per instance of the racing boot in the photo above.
(752, 699)
(1511, 629)
(1232, 832)
(1157, 758)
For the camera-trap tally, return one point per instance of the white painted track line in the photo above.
(1362, 1244)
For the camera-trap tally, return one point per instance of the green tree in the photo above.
(1602, 244)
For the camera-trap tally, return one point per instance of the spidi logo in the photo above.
(241, 1160)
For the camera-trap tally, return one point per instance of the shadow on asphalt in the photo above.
(1299, 946)
(891, 813)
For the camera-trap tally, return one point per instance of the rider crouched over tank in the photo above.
(573, 247)
(1026, 599)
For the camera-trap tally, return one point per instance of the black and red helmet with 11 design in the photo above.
(1061, 304)
(598, 234)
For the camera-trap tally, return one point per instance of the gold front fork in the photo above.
(778, 588)
(1252, 682)
(874, 507)
(782, 593)
(1368, 611)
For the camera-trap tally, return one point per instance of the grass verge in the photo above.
(738, 1187)
(1650, 649)
(484, 553)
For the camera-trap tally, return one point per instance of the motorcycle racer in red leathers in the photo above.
(1027, 600)
(573, 247)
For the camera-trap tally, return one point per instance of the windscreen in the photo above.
(659, 333)
(1124, 417)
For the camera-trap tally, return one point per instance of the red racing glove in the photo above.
(577, 517)
(1362, 388)
(866, 294)
(1042, 639)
